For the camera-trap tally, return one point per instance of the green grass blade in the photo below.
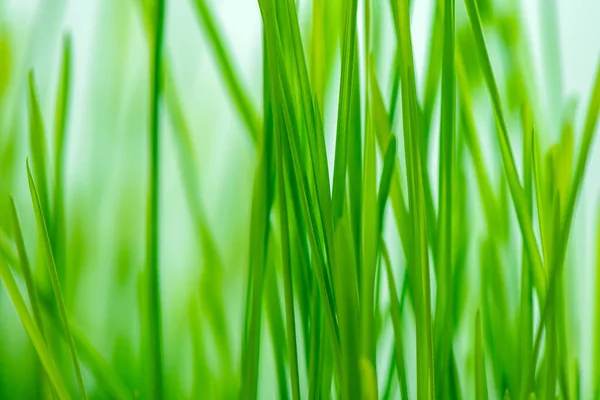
(287, 273)
(26, 269)
(241, 99)
(516, 191)
(33, 332)
(37, 140)
(349, 58)
(447, 155)
(596, 349)
(60, 128)
(412, 127)
(397, 324)
(481, 392)
(154, 313)
(49, 261)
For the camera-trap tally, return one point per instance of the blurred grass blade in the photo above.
(60, 127)
(412, 130)
(481, 392)
(154, 304)
(241, 99)
(49, 261)
(37, 140)
(33, 332)
(596, 349)
(516, 191)
(26, 269)
(397, 324)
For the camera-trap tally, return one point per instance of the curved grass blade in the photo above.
(49, 261)
(516, 191)
(33, 332)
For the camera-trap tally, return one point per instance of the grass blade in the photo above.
(60, 128)
(480, 378)
(397, 323)
(447, 157)
(241, 99)
(154, 313)
(33, 332)
(412, 127)
(516, 191)
(37, 140)
(49, 261)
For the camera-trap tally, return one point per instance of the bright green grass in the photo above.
(364, 273)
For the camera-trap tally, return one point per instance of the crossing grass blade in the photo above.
(33, 332)
(397, 323)
(412, 127)
(51, 267)
(287, 272)
(26, 269)
(349, 59)
(516, 190)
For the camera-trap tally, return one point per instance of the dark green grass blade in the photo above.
(60, 128)
(517, 193)
(287, 272)
(37, 139)
(154, 313)
(8, 250)
(526, 302)
(239, 95)
(481, 392)
(33, 332)
(49, 261)
(447, 158)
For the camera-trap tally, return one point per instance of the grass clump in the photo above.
(380, 243)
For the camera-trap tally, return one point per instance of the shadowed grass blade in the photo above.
(49, 261)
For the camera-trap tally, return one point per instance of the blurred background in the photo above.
(106, 159)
